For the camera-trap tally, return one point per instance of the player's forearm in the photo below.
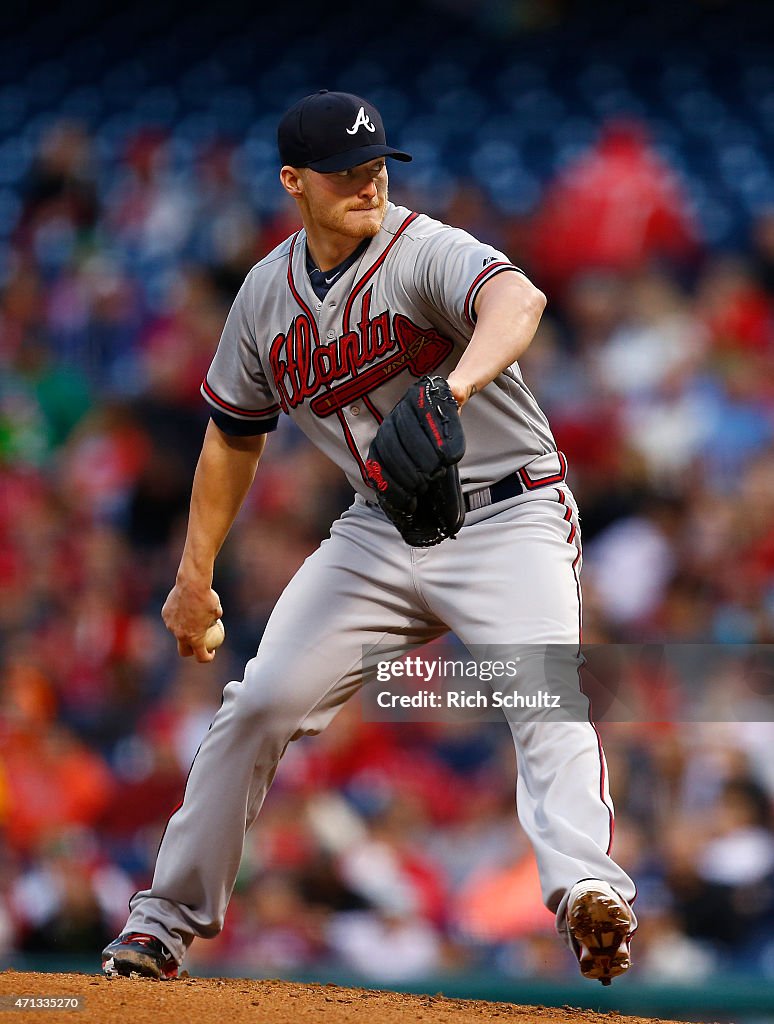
(224, 473)
(508, 311)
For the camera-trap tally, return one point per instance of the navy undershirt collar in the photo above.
(323, 280)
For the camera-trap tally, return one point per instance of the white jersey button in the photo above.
(318, 305)
(331, 334)
(355, 410)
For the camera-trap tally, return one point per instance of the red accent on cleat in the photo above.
(138, 953)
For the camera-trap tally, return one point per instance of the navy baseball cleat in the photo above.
(599, 923)
(136, 953)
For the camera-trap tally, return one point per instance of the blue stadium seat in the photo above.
(229, 70)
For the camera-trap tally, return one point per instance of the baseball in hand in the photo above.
(215, 635)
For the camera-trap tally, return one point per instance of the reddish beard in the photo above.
(337, 220)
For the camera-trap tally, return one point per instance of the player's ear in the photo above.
(292, 181)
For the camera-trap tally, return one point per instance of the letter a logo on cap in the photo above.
(361, 119)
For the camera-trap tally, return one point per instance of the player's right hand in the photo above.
(188, 612)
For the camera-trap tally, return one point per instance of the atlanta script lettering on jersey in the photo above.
(374, 352)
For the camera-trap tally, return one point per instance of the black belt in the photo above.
(508, 487)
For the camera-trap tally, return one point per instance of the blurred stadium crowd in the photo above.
(391, 851)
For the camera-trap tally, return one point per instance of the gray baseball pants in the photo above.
(509, 577)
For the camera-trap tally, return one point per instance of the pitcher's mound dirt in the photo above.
(239, 1001)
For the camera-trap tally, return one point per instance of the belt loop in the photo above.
(508, 487)
(478, 499)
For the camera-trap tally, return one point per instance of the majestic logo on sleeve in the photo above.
(361, 121)
(353, 365)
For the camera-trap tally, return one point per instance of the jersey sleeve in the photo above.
(451, 268)
(235, 385)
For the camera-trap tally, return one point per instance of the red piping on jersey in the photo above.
(344, 425)
(367, 402)
(352, 446)
(372, 409)
(372, 270)
(492, 268)
(271, 411)
(530, 483)
(294, 290)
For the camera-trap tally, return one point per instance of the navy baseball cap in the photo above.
(333, 131)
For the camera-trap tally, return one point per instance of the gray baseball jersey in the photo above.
(338, 365)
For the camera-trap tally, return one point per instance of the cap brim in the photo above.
(353, 157)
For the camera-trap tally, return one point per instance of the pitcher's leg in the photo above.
(564, 807)
(309, 663)
(526, 559)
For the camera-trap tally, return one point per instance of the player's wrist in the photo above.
(196, 576)
(463, 391)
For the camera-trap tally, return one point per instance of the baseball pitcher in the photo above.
(393, 341)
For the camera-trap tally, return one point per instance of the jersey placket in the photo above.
(325, 313)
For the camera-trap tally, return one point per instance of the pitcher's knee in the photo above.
(269, 701)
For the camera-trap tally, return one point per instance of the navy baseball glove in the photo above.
(412, 464)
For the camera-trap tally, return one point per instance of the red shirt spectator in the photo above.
(615, 207)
